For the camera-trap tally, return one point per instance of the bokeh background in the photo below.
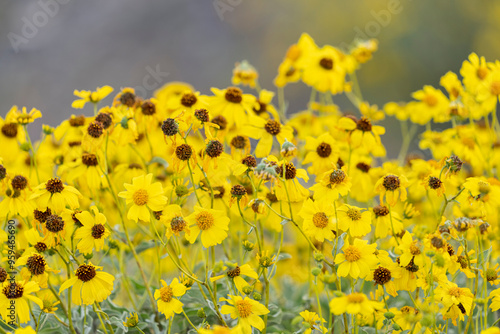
(85, 44)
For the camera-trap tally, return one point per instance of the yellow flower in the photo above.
(213, 225)
(247, 310)
(363, 50)
(36, 267)
(495, 302)
(289, 187)
(314, 321)
(131, 320)
(25, 330)
(18, 294)
(167, 304)
(49, 302)
(431, 104)
(235, 275)
(491, 330)
(350, 218)
(89, 96)
(93, 232)
(356, 260)
(383, 225)
(318, 219)
(393, 187)
(474, 71)
(323, 152)
(245, 74)
(265, 132)
(143, 195)
(411, 251)
(233, 105)
(56, 195)
(451, 295)
(266, 109)
(89, 285)
(22, 117)
(323, 70)
(364, 134)
(355, 303)
(331, 185)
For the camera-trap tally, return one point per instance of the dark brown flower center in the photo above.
(272, 127)
(105, 119)
(214, 148)
(234, 95)
(89, 159)
(9, 130)
(324, 150)
(41, 216)
(77, 121)
(178, 224)
(183, 152)
(54, 185)
(365, 168)
(434, 182)
(13, 290)
(19, 182)
(364, 124)
(85, 272)
(127, 98)
(271, 197)
(219, 192)
(220, 121)
(391, 182)
(437, 242)
(202, 115)
(170, 127)
(326, 63)
(98, 231)
(381, 275)
(54, 223)
(261, 109)
(290, 171)
(95, 129)
(40, 247)
(249, 161)
(238, 191)
(239, 142)
(337, 176)
(3, 172)
(36, 264)
(3, 275)
(380, 211)
(188, 99)
(148, 108)
(234, 272)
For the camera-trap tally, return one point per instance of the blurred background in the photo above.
(48, 48)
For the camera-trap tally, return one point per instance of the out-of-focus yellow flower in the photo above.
(245, 74)
(90, 96)
(22, 116)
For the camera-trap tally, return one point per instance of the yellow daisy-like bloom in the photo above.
(474, 72)
(331, 185)
(89, 285)
(265, 107)
(318, 219)
(18, 294)
(323, 70)
(15, 202)
(212, 224)
(364, 134)
(432, 103)
(89, 96)
(235, 274)
(56, 195)
(22, 117)
(49, 301)
(167, 304)
(322, 152)
(353, 220)
(174, 221)
(435, 184)
(54, 230)
(410, 250)
(244, 74)
(383, 225)
(143, 195)
(393, 187)
(355, 303)
(314, 320)
(265, 131)
(356, 260)
(491, 330)
(36, 267)
(364, 49)
(233, 105)
(93, 232)
(451, 295)
(86, 169)
(247, 310)
(491, 274)
(495, 302)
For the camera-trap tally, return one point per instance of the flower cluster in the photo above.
(228, 213)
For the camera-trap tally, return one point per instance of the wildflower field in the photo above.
(236, 212)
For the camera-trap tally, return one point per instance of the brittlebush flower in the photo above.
(332, 184)
(314, 321)
(322, 153)
(247, 310)
(93, 232)
(457, 301)
(142, 196)
(233, 105)
(393, 187)
(22, 116)
(56, 195)
(212, 224)
(235, 275)
(318, 218)
(89, 96)
(356, 260)
(355, 303)
(245, 74)
(89, 285)
(352, 219)
(265, 131)
(18, 294)
(167, 304)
